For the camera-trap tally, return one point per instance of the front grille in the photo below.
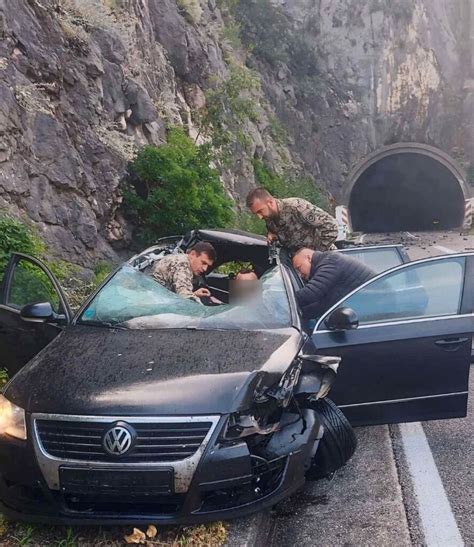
(266, 478)
(156, 442)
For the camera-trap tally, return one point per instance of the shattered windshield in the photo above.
(134, 300)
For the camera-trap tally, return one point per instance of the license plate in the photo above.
(108, 481)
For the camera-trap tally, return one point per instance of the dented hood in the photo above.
(100, 371)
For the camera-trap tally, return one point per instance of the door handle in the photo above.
(451, 342)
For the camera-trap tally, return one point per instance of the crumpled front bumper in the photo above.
(230, 481)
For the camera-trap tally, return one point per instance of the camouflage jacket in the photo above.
(301, 224)
(174, 272)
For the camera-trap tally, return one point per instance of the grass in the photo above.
(15, 534)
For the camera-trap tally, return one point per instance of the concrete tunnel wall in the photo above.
(407, 186)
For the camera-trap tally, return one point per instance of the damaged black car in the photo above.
(146, 407)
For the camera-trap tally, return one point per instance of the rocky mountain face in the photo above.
(85, 83)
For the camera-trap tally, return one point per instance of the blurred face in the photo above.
(245, 288)
(302, 264)
(265, 208)
(200, 263)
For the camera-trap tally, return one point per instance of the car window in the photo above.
(422, 290)
(378, 260)
(31, 284)
(135, 300)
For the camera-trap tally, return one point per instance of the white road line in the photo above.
(437, 519)
(413, 236)
(446, 250)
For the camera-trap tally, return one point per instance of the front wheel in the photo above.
(338, 443)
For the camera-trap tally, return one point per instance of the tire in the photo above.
(338, 443)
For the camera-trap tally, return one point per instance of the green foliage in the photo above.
(24, 534)
(101, 271)
(231, 34)
(230, 105)
(16, 236)
(233, 267)
(268, 32)
(278, 132)
(30, 284)
(249, 223)
(176, 189)
(282, 186)
(265, 28)
(227, 6)
(3, 377)
(70, 540)
(192, 10)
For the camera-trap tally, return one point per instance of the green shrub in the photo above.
(175, 189)
(16, 236)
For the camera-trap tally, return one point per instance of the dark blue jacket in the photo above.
(332, 276)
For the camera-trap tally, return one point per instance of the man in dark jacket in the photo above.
(330, 276)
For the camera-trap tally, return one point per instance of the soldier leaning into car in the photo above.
(176, 272)
(294, 222)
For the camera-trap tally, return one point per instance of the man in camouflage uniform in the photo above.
(294, 222)
(177, 271)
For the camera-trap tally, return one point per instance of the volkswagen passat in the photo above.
(146, 407)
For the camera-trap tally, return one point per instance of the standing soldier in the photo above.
(294, 222)
(177, 271)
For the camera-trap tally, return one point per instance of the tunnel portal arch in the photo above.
(406, 186)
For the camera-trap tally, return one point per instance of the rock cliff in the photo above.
(85, 83)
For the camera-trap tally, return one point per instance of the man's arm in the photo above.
(322, 223)
(183, 282)
(311, 296)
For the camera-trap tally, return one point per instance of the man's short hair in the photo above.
(206, 248)
(299, 251)
(257, 193)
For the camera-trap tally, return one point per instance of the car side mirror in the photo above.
(342, 319)
(39, 313)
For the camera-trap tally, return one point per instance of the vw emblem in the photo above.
(119, 439)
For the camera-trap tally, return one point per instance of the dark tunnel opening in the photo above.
(406, 191)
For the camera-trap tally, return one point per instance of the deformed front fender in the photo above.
(316, 378)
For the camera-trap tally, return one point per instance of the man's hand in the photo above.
(202, 292)
(271, 237)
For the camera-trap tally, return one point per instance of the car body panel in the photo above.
(106, 371)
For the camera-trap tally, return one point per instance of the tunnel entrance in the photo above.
(407, 188)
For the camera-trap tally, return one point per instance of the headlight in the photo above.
(12, 419)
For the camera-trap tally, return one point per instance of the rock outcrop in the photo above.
(84, 83)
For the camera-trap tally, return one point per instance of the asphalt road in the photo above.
(408, 484)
